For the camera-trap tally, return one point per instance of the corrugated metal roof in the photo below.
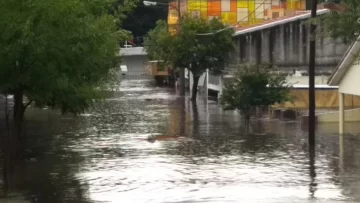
(277, 21)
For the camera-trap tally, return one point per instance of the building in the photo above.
(345, 77)
(237, 12)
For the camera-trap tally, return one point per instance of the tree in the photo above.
(254, 86)
(344, 24)
(59, 53)
(188, 49)
(143, 18)
(158, 43)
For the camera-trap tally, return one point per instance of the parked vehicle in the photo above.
(161, 71)
(123, 69)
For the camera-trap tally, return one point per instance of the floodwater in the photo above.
(200, 154)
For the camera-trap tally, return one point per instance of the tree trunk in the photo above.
(195, 86)
(8, 168)
(182, 117)
(18, 114)
(247, 123)
(247, 117)
(10, 142)
(7, 114)
(7, 147)
(195, 122)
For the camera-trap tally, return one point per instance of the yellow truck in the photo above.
(157, 68)
(161, 71)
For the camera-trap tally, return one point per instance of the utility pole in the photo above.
(312, 52)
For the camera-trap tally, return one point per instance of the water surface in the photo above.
(104, 155)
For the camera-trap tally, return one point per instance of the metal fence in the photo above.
(135, 66)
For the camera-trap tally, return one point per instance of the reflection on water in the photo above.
(313, 184)
(104, 155)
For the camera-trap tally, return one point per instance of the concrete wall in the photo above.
(135, 64)
(351, 115)
(287, 45)
(325, 98)
(131, 51)
(304, 80)
(135, 58)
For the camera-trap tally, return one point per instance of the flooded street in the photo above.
(199, 154)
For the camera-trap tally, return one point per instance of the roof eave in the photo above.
(345, 63)
(279, 22)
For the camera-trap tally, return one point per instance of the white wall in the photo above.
(296, 80)
(304, 80)
(135, 64)
(350, 83)
(352, 115)
(131, 51)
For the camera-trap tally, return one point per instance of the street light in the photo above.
(150, 3)
(181, 70)
(154, 3)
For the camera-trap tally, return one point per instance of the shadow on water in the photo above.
(47, 172)
(195, 118)
(204, 156)
(183, 116)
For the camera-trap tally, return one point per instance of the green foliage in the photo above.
(60, 53)
(121, 9)
(254, 86)
(186, 47)
(158, 43)
(143, 18)
(342, 25)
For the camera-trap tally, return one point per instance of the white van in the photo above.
(123, 69)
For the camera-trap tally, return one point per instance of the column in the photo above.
(258, 47)
(207, 84)
(341, 113)
(341, 153)
(220, 85)
(191, 81)
(271, 44)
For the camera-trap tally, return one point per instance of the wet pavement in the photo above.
(199, 154)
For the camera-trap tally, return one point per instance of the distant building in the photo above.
(237, 12)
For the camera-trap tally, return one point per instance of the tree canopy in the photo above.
(254, 86)
(58, 53)
(144, 18)
(188, 49)
(158, 42)
(344, 24)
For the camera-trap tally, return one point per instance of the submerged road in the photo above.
(105, 156)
